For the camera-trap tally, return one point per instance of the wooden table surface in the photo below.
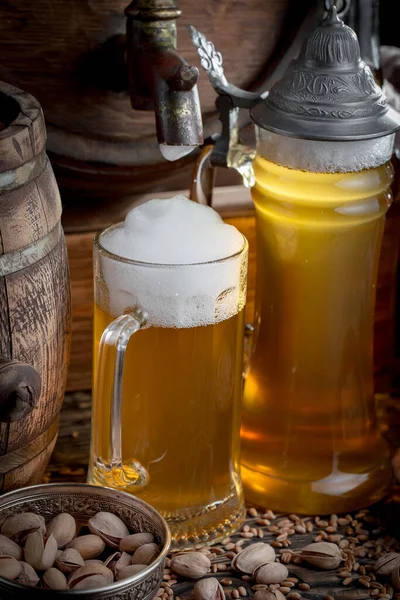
(69, 463)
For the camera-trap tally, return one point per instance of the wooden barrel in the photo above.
(34, 294)
(70, 55)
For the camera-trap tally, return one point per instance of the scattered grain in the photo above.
(303, 587)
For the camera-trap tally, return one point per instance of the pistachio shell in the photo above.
(69, 561)
(88, 546)
(252, 557)
(53, 579)
(18, 527)
(145, 554)
(10, 548)
(112, 560)
(395, 577)
(109, 527)
(268, 595)
(192, 565)
(91, 582)
(323, 555)
(271, 573)
(27, 575)
(264, 595)
(10, 568)
(129, 571)
(130, 543)
(125, 560)
(208, 589)
(88, 571)
(387, 564)
(63, 527)
(39, 555)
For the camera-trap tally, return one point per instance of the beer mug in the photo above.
(168, 345)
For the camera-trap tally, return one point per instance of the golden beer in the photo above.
(166, 420)
(181, 402)
(310, 440)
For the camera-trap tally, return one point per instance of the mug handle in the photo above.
(115, 338)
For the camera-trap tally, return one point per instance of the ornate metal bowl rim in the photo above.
(91, 490)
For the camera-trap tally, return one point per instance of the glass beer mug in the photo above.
(168, 343)
(321, 187)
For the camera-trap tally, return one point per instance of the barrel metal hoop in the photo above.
(15, 178)
(22, 455)
(29, 255)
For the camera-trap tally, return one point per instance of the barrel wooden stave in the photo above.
(34, 286)
(31, 473)
(39, 308)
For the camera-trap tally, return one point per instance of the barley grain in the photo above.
(303, 587)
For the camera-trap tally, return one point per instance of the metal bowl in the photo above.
(83, 501)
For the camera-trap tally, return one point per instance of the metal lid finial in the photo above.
(328, 92)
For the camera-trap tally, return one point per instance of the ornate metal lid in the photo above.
(328, 92)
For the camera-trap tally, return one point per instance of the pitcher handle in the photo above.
(203, 179)
(111, 471)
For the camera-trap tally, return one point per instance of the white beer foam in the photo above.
(178, 234)
(324, 157)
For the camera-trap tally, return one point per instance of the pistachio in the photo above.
(69, 561)
(145, 554)
(53, 579)
(109, 527)
(88, 546)
(268, 595)
(9, 547)
(129, 571)
(27, 575)
(124, 560)
(264, 595)
(387, 563)
(271, 573)
(93, 581)
(209, 589)
(10, 568)
(130, 543)
(112, 560)
(88, 571)
(192, 565)
(40, 555)
(63, 527)
(323, 555)
(18, 527)
(396, 578)
(253, 556)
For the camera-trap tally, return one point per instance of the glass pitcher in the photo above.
(320, 182)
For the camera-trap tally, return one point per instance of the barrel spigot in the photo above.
(159, 78)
